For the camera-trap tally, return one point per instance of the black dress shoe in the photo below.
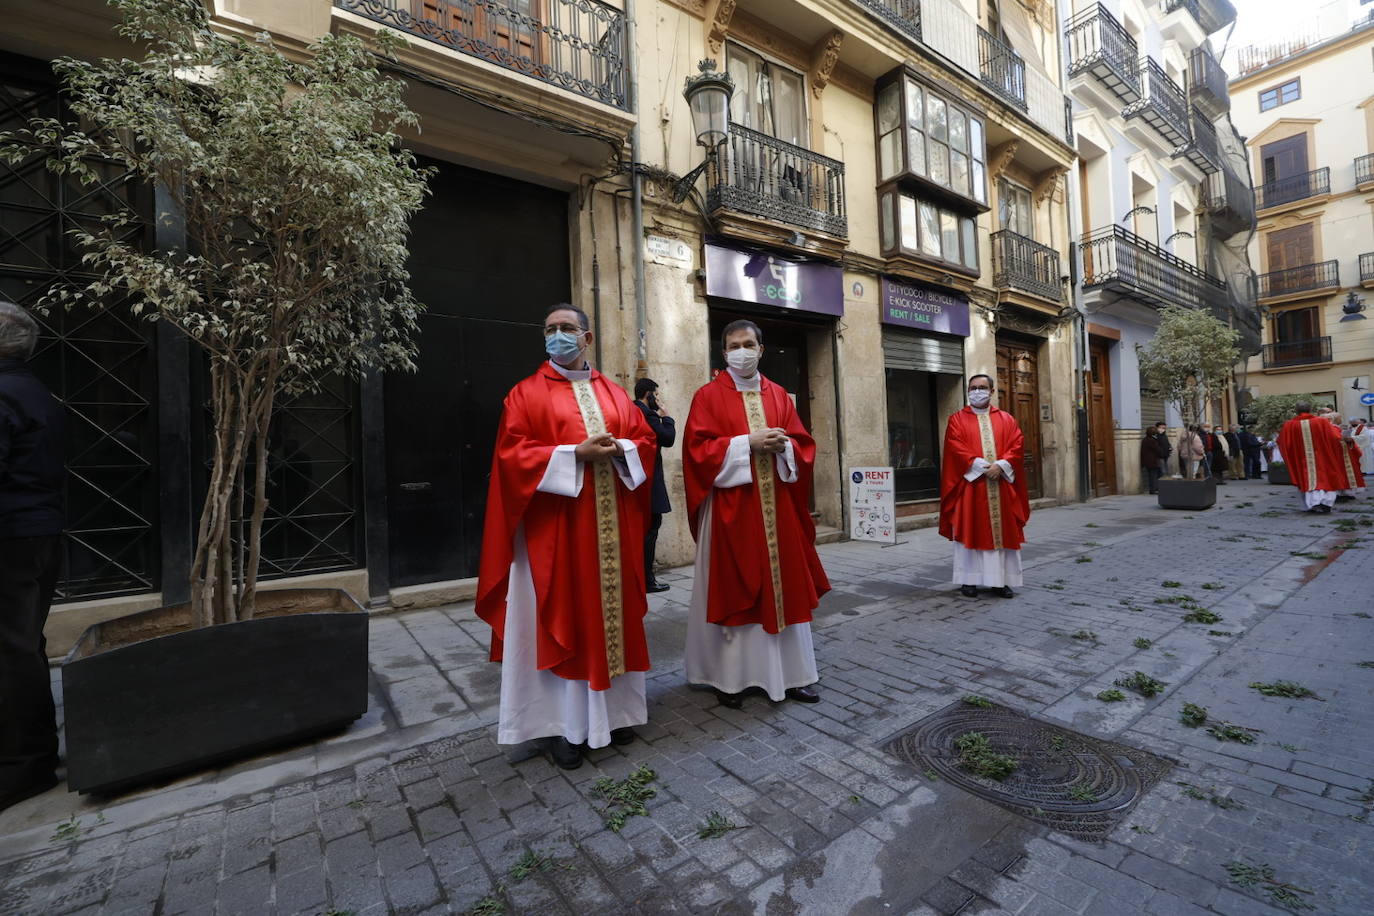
(1005, 592)
(566, 754)
(1324, 509)
(802, 694)
(27, 790)
(623, 736)
(968, 591)
(655, 587)
(730, 700)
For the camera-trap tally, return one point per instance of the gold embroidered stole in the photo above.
(607, 532)
(1309, 453)
(1350, 479)
(764, 463)
(994, 486)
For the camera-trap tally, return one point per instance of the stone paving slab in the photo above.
(417, 810)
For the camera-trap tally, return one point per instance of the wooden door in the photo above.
(1297, 336)
(507, 31)
(1018, 393)
(1289, 249)
(1101, 428)
(1282, 163)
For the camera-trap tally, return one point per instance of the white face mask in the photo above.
(980, 397)
(743, 360)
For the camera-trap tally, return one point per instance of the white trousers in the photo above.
(732, 659)
(540, 704)
(988, 568)
(1312, 498)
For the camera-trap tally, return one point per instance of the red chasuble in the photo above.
(968, 510)
(1311, 447)
(577, 638)
(743, 575)
(1354, 477)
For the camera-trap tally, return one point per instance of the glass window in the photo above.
(939, 163)
(909, 223)
(958, 173)
(958, 130)
(1282, 94)
(888, 206)
(914, 105)
(768, 98)
(949, 235)
(916, 144)
(927, 230)
(930, 229)
(889, 155)
(970, 232)
(936, 121)
(1014, 209)
(889, 108)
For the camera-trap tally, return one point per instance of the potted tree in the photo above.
(1188, 362)
(1269, 412)
(295, 195)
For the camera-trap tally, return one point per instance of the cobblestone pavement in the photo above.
(416, 809)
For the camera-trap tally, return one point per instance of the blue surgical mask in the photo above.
(562, 347)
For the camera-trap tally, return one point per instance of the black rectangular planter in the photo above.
(1278, 474)
(1177, 493)
(148, 696)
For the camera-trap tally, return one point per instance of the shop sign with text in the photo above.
(766, 278)
(925, 308)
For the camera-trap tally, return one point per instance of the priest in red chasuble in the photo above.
(1311, 447)
(1352, 477)
(562, 573)
(747, 461)
(983, 501)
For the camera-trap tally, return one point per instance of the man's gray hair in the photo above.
(1302, 407)
(18, 332)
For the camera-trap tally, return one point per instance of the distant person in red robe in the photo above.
(1350, 461)
(984, 504)
(748, 462)
(1311, 447)
(562, 574)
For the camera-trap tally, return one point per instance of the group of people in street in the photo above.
(1325, 457)
(1203, 451)
(569, 542)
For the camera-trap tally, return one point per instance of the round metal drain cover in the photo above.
(1074, 783)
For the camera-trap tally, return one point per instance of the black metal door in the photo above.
(488, 255)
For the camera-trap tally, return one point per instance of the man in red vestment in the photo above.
(1350, 461)
(984, 505)
(562, 574)
(748, 461)
(1311, 446)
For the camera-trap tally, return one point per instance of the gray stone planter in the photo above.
(1176, 493)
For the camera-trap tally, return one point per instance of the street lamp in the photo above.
(708, 98)
(1352, 308)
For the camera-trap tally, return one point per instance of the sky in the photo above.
(1261, 22)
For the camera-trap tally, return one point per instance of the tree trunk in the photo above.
(260, 432)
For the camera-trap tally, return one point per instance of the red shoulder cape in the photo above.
(741, 582)
(964, 513)
(541, 413)
(1327, 471)
(1353, 475)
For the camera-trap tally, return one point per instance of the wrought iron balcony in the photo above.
(1304, 278)
(1293, 188)
(1161, 104)
(902, 15)
(1120, 261)
(1202, 149)
(1364, 169)
(1230, 202)
(577, 45)
(1019, 263)
(767, 177)
(1207, 83)
(1367, 268)
(1003, 70)
(1286, 353)
(1101, 46)
(1211, 15)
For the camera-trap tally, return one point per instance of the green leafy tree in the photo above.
(1189, 359)
(295, 195)
(1269, 411)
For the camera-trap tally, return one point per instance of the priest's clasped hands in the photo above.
(993, 472)
(773, 439)
(599, 448)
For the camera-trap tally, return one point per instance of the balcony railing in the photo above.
(1202, 149)
(1161, 105)
(764, 176)
(577, 45)
(1367, 268)
(1297, 352)
(1003, 70)
(1293, 188)
(902, 15)
(1099, 45)
(1023, 264)
(1231, 203)
(1207, 82)
(1123, 262)
(1364, 169)
(1211, 15)
(1301, 279)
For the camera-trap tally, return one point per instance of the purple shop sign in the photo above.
(923, 307)
(769, 279)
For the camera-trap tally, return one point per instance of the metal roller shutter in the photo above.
(924, 353)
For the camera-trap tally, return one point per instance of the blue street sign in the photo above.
(1367, 398)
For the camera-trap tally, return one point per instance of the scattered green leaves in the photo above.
(1140, 642)
(1365, 664)
(68, 830)
(1141, 683)
(1082, 792)
(1361, 614)
(1092, 525)
(1058, 743)
(531, 862)
(1368, 797)
(1111, 696)
(1290, 748)
(1209, 794)
(977, 756)
(973, 699)
(625, 798)
(1083, 559)
(1228, 731)
(1091, 544)
(716, 825)
(1308, 555)
(1220, 633)
(487, 906)
(1280, 892)
(1139, 829)
(1193, 715)
(1289, 689)
(1213, 586)
(1171, 583)
(1085, 635)
(1201, 615)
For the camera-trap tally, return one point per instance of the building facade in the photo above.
(1163, 209)
(1307, 110)
(891, 206)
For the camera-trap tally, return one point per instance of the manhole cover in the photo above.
(1073, 783)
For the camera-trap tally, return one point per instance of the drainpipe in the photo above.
(636, 198)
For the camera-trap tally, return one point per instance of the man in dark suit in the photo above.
(646, 399)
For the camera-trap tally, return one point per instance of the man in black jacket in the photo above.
(1154, 452)
(1250, 450)
(646, 399)
(31, 474)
